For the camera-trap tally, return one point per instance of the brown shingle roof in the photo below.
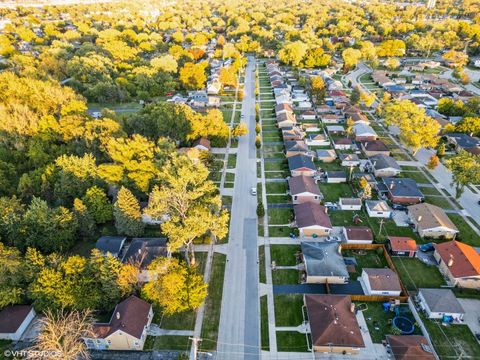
(402, 243)
(301, 184)
(466, 261)
(130, 316)
(332, 323)
(383, 279)
(375, 145)
(12, 316)
(311, 214)
(429, 216)
(409, 347)
(359, 233)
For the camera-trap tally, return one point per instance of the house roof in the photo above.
(281, 107)
(300, 161)
(330, 153)
(363, 233)
(402, 243)
(323, 259)
(375, 145)
(332, 321)
(377, 205)
(349, 157)
(12, 317)
(285, 117)
(295, 145)
(302, 184)
(410, 347)
(381, 161)
(403, 187)
(311, 214)
(202, 142)
(442, 301)
(336, 174)
(383, 279)
(350, 201)
(111, 244)
(145, 250)
(343, 141)
(466, 260)
(316, 136)
(361, 129)
(129, 316)
(428, 216)
(464, 140)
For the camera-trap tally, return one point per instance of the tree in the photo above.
(392, 63)
(63, 333)
(350, 124)
(367, 98)
(394, 47)
(416, 128)
(48, 229)
(469, 125)
(86, 223)
(351, 58)
(441, 150)
(316, 57)
(12, 276)
(366, 188)
(465, 168)
(177, 287)
(455, 58)
(191, 203)
(165, 63)
(318, 88)
(240, 130)
(98, 205)
(193, 75)
(293, 53)
(128, 217)
(228, 76)
(355, 95)
(433, 162)
(11, 213)
(260, 210)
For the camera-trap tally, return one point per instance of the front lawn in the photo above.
(278, 199)
(167, 342)
(265, 340)
(275, 165)
(288, 309)
(280, 216)
(439, 201)
(261, 263)
(416, 274)
(418, 176)
(345, 217)
(285, 277)
(279, 231)
(284, 255)
(466, 235)
(276, 187)
(291, 341)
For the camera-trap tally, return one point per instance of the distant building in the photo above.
(409, 347)
(14, 320)
(111, 244)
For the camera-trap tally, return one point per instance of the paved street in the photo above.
(239, 321)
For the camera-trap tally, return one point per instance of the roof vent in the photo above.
(117, 315)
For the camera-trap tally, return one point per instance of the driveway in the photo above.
(472, 313)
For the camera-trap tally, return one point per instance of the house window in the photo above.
(109, 342)
(135, 343)
(295, 197)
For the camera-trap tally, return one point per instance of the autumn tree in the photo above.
(239, 130)
(193, 75)
(351, 57)
(465, 168)
(433, 162)
(127, 214)
(390, 48)
(392, 63)
(469, 125)
(98, 205)
(228, 76)
(455, 58)
(417, 129)
(317, 88)
(293, 53)
(85, 220)
(12, 276)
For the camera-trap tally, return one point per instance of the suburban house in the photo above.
(349, 160)
(301, 165)
(331, 119)
(462, 141)
(202, 144)
(403, 191)
(431, 221)
(312, 219)
(438, 303)
(336, 177)
(295, 147)
(375, 147)
(286, 120)
(110, 245)
(384, 166)
(214, 87)
(344, 144)
(364, 132)
(335, 129)
(402, 246)
(283, 108)
(127, 328)
(350, 204)
(317, 140)
(142, 251)
(14, 320)
(293, 133)
(459, 262)
(310, 127)
(333, 324)
(378, 208)
(308, 115)
(358, 234)
(409, 347)
(381, 281)
(323, 263)
(326, 156)
(304, 189)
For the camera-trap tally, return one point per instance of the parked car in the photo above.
(399, 207)
(427, 247)
(253, 191)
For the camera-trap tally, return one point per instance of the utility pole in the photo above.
(380, 229)
(193, 354)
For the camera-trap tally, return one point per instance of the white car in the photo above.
(253, 191)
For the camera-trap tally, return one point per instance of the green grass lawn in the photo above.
(265, 340)
(285, 277)
(332, 192)
(167, 342)
(232, 161)
(415, 274)
(230, 177)
(439, 201)
(276, 187)
(271, 137)
(279, 231)
(365, 259)
(273, 149)
(290, 341)
(343, 218)
(284, 255)
(453, 340)
(280, 216)
(213, 303)
(288, 309)
(275, 165)
(418, 176)
(278, 199)
(466, 235)
(275, 174)
(429, 191)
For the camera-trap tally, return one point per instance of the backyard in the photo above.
(415, 274)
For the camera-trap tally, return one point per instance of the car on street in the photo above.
(427, 247)
(253, 191)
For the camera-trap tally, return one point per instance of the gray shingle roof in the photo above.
(323, 259)
(403, 187)
(442, 300)
(300, 161)
(384, 162)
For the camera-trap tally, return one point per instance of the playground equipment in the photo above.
(404, 324)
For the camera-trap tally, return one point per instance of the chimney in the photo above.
(450, 261)
(352, 307)
(391, 185)
(419, 218)
(326, 210)
(117, 315)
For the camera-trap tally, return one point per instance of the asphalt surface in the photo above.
(239, 330)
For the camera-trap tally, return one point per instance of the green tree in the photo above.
(12, 276)
(128, 217)
(465, 168)
(355, 95)
(11, 213)
(86, 223)
(98, 205)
